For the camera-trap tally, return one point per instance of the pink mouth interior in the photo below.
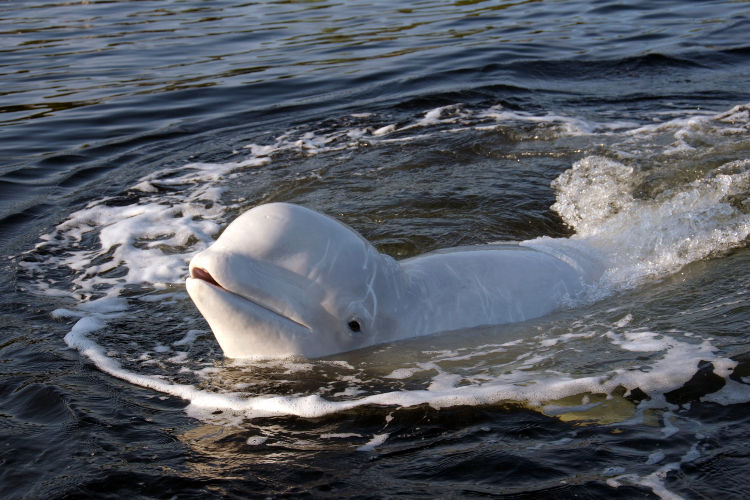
(201, 274)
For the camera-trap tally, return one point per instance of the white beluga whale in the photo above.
(284, 280)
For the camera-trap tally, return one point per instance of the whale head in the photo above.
(283, 280)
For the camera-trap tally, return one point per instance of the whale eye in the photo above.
(354, 326)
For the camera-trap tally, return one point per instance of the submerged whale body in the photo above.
(284, 280)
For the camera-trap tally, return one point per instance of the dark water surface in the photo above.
(132, 132)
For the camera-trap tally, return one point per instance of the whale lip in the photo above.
(200, 274)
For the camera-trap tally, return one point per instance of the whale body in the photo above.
(284, 280)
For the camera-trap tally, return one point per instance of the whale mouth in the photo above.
(199, 273)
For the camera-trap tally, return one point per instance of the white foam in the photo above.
(641, 341)
(566, 125)
(189, 338)
(732, 393)
(384, 130)
(642, 239)
(179, 358)
(339, 435)
(403, 373)
(256, 440)
(350, 391)
(66, 313)
(373, 443)
(672, 370)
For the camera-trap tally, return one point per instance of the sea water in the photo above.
(135, 133)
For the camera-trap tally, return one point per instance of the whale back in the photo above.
(494, 284)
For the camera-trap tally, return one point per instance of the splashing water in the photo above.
(647, 219)
(650, 238)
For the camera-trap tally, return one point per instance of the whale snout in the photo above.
(257, 308)
(243, 328)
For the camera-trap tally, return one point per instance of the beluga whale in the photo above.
(283, 280)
